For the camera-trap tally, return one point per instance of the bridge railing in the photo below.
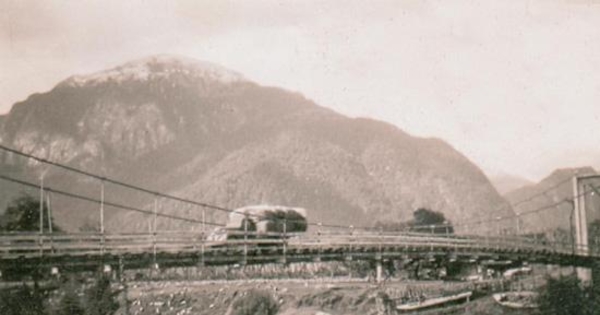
(33, 244)
(93, 243)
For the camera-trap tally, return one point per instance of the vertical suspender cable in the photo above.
(380, 242)
(319, 235)
(102, 207)
(499, 232)
(49, 215)
(154, 229)
(203, 234)
(41, 204)
(203, 221)
(102, 239)
(41, 240)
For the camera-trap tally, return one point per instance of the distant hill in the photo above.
(505, 183)
(203, 132)
(553, 189)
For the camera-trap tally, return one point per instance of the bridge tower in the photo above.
(581, 246)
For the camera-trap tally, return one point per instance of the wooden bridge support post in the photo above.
(284, 241)
(379, 259)
(54, 272)
(246, 238)
(120, 269)
(379, 271)
(109, 271)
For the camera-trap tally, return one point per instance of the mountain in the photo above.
(505, 183)
(543, 206)
(203, 132)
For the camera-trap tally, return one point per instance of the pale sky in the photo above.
(513, 85)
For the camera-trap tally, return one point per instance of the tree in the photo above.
(23, 214)
(425, 218)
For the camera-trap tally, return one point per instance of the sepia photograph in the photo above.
(309, 157)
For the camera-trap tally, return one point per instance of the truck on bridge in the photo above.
(262, 221)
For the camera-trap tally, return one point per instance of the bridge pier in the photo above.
(379, 271)
(584, 275)
(54, 272)
(110, 271)
(107, 269)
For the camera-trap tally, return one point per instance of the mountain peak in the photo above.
(163, 122)
(157, 66)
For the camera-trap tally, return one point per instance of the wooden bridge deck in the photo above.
(187, 248)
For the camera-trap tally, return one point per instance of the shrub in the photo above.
(100, 300)
(567, 296)
(70, 303)
(255, 302)
(22, 301)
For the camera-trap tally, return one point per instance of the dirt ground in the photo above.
(295, 297)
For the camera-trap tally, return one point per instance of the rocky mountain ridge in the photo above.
(203, 132)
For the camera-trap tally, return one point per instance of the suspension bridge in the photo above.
(46, 249)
